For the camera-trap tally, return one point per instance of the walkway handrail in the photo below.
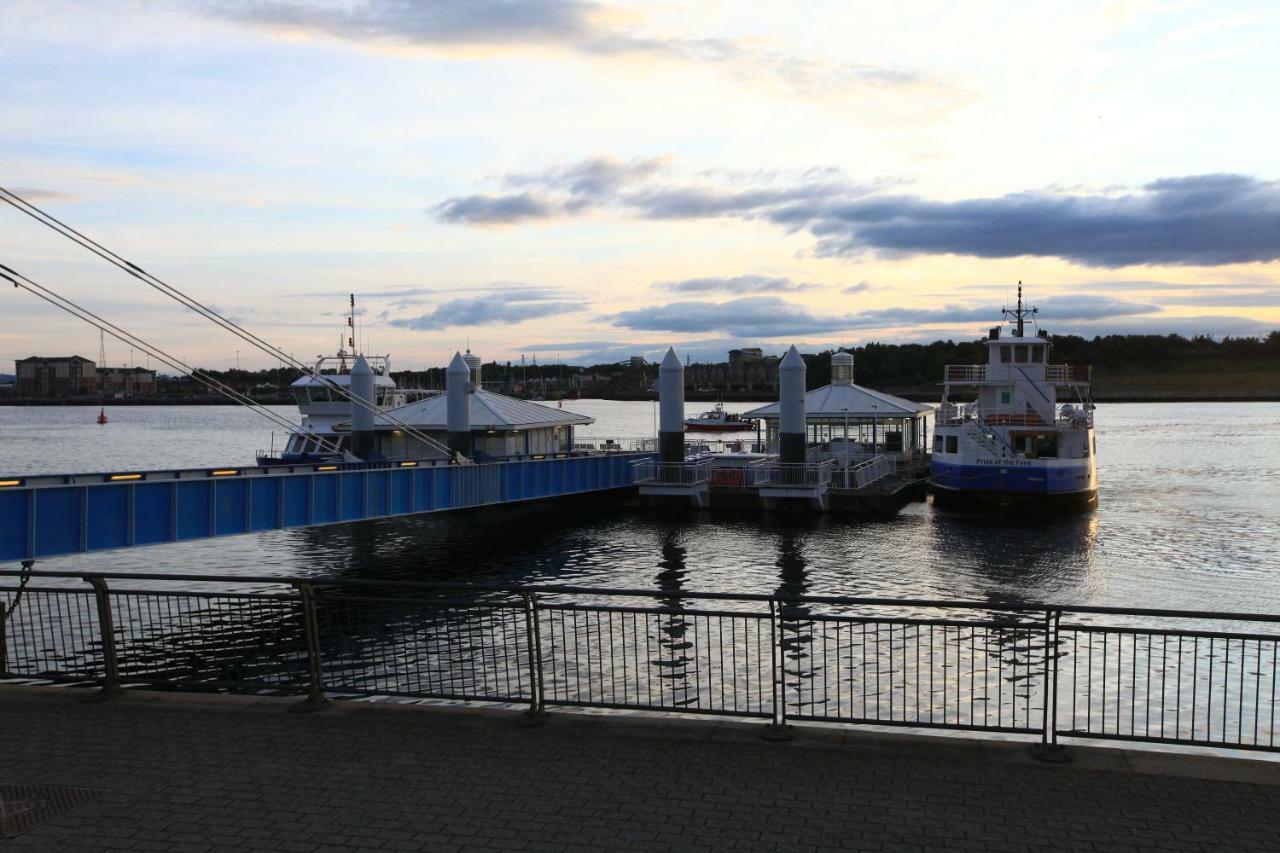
(1005, 666)
(688, 472)
(1001, 604)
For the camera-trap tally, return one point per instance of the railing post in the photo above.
(537, 713)
(106, 625)
(1048, 749)
(311, 630)
(4, 637)
(777, 729)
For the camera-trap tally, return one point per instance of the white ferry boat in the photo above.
(323, 406)
(1027, 441)
(718, 420)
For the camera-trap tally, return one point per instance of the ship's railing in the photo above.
(1066, 374)
(1046, 672)
(974, 373)
(800, 474)
(688, 473)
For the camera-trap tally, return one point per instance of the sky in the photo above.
(586, 181)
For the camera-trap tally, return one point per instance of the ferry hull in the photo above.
(1008, 478)
(1023, 502)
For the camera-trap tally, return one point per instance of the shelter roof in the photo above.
(836, 400)
(488, 411)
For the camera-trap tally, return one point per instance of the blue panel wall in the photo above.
(13, 524)
(193, 509)
(152, 513)
(56, 519)
(108, 521)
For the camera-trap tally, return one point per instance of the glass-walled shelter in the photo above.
(844, 419)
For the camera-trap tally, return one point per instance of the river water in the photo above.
(1188, 517)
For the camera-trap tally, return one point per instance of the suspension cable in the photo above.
(48, 220)
(22, 282)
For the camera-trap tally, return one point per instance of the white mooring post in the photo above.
(671, 408)
(791, 420)
(362, 408)
(458, 405)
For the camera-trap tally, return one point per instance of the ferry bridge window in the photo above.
(1006, 354)
(937, 444)
(1037, 353)
(1020, 353)
(953, 444)
(300, 394)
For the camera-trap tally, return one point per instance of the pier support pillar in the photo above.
(671, 408)
(792, 440)
(458, 405)
(362, 408)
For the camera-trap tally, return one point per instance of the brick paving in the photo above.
(195, 773)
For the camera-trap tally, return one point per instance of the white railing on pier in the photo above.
(865, 473)
(687, 473)
(692, 447)
(799, 474)
(741, 476)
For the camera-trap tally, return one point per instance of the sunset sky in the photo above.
(590, 181)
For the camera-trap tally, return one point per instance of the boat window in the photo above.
(300, 394)
(1047, 446)
(1006, 397)
(1020, 353)
(1006, 354)
(937, 444)
(1037, 353)
(953, 444)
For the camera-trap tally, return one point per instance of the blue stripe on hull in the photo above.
(1014, 479)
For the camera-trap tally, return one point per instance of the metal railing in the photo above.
(1066, 374)
(1048, 671)
(1063, 374)
(687, 473)
(799, 474)
(865, 473)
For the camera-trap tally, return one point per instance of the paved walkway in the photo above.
(195, 773)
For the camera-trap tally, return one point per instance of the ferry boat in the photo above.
(718, 420)
(1028, 440)
(322, 405)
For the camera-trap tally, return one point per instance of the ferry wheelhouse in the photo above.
(1027, 440)
(323, 401)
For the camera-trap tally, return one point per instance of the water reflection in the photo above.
(676, 656)
(800, 674)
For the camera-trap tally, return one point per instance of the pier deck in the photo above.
(221, 773)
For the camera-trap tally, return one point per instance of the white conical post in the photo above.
(362, 408)
(458, 405)
(671, 408)
(791, 414)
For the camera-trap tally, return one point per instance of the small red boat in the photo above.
(718, 420)
(102, 416)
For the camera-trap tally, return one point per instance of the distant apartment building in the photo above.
(61, 376)
(748, 355)
(126, 381)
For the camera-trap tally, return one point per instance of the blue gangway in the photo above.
(47, 515)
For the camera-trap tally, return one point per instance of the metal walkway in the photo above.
(48, 515)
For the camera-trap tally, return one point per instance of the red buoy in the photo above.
(102, 416)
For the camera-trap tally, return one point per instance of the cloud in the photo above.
(497, 308)
(35, 194)
(738, 284)
(1203, 220)
(772, 317)
(575, 26)
(860, 287)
